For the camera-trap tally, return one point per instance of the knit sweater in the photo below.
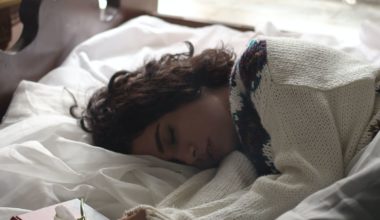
(302, 112)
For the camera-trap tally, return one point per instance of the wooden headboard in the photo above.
(52, 28)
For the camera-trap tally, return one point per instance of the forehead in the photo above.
(191, 108)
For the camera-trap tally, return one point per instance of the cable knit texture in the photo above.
(302, 112)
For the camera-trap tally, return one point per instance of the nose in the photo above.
(188, 154)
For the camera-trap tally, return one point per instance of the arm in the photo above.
(314, 103)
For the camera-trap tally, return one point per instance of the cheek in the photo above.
(139, 146)
(213, 121)
(216, 116)
(220, 125)
(144, 143)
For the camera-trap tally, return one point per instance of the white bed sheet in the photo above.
(45, 157)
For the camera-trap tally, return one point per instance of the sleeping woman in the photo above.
(299, 111)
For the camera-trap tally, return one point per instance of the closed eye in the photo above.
(173, 140)
(158, 139)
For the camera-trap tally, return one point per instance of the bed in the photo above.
(46, 158)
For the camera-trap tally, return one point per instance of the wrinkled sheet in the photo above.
(46, 158)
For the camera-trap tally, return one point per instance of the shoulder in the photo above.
(250, 64)
(294, 62)
(297, 62)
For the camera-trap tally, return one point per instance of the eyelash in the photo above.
(173, 140)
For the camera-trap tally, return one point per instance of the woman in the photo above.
(299, 111)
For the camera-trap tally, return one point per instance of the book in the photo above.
(73, 206)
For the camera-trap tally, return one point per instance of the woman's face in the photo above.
(200, 133)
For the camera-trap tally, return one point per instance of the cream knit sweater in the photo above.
(316, 108)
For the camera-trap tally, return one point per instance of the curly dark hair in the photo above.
(118, 113)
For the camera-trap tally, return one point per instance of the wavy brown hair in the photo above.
(118, 113)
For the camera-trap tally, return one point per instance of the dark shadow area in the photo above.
(28, 13)
(51, 29)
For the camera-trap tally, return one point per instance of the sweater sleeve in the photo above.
(307, 158)
(314, 103)
(302, 141)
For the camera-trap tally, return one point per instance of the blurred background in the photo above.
(340, 17)
(320, 16)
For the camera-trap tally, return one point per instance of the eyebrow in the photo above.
(158, 139)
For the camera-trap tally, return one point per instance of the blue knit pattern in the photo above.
(254, 138)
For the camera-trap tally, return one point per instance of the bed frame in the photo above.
(52, 28)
